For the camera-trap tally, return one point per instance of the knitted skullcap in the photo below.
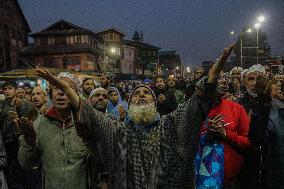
(94, 91)
(139, 86)
(71, 77)
(235, 69)
(256, 68)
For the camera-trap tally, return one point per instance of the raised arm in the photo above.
(61, 84)
(97, 130)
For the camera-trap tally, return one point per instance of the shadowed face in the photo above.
(251, 81)
(9, 92)
(160, 84)
(236, 74)
(171, 82)
(21, 93)
(59, 99)
(99, 100)
(113, 97)
(38, 97)
(142, 96)
(104, 81)
(88, 86)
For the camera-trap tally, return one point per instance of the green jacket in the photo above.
(62, 153)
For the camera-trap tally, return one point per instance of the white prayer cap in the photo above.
(236, 68)
(256, 68)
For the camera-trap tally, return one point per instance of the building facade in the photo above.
(113, 52)
(145, 56)
(170, 63)
(65, 45)
(14, 31)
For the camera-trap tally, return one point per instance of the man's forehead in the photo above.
(141, 89)
(236, 71)
(99, 92)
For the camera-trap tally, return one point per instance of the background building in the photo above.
(65, 45)
(14, 31)
(169, 63)
(145, 57)
(113, 54)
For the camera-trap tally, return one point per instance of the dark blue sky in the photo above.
(197, 29)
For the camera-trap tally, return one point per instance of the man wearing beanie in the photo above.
(149, 151)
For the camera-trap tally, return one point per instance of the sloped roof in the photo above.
(22, 14)
(111, 29)
(140, 44)
(63, 27)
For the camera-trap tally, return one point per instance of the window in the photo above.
(111, 36)
(50, 62)
(78, 38)
(60, 40)
(51, 40)
(44, 41)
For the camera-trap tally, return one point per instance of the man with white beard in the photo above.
(148, 152)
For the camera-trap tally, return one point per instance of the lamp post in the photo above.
(257, 25)
(260, 19)
(177, 70)
(249, 30)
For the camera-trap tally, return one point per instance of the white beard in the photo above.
(142, 114)
(251, 93)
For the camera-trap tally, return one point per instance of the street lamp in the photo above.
(257, 25)
(249, 30)
(260, 19)
(112, 50)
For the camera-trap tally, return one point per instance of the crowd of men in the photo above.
(217, 130)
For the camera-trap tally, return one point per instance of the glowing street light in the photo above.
(261, 18)
(112, 50)
(249, 30)
(177, 67)
(257, 25)
(232, 32)
(188, 69)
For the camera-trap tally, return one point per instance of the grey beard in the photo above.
(251, 93)
(142, 114)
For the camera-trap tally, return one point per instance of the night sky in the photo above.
(197, 29)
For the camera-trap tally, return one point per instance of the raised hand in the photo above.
(61, 84)
(45, 74)
(122, 112)
(219, 65)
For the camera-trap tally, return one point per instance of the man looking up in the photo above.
(148, 152)
(87, 86)
(105, 80)
(52, 138)
(39, 99)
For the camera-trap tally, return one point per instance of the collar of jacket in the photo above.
(52, 113)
